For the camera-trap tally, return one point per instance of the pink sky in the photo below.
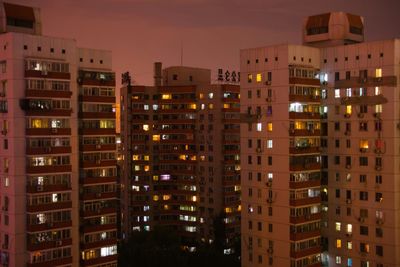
(140, 32)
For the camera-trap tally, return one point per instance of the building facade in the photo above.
(58, 168)
(180, 145)
(319, 148)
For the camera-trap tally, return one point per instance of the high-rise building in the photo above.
(58, 167)
(319, 148)
(180, 144)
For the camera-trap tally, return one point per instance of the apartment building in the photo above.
(180, 145)
(319, 187)
(58, 169)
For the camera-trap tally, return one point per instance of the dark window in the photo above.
(175, 77)
(257, 60)
(337, 160)
(337, 76)
(101, 61)
(381, 54)
(379, 232)
(25, 47)
(270, 228)
(357, 57)
(348, 75)
(259, 226)
(346, 59)
(378, 197)
(363, 178)
(364, 195)
(363, 230)
(248, 61)
(378, 179)
(379, 250)
(266, 59)
(39, 48)
(325, 61)
(337, 193)
(276, 58)
(269, 160)
(369, 56)
(337, 143)
(80, 59)
(51, 50)
(63, 51)
(335, 59)
(91, 60)
(363, 161)
(337, 126)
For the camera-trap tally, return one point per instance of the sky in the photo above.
(208, 33)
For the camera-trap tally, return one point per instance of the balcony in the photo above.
(97, 131)
(98, 147)
(48, 131)
(46, 226)
(99, 163)
(304, 115)
(97, 115)
(48, 188)
(47, 93)
(99, 212)
(304, 235)
(91, 228)
(48, 169)
(48, 244)
(304, 150)
(98, 180)
(304, 132)
(363, 100)
(304, 184)
(97, 99)
(99, 244)
(49, 206)
(98, 196)
(306, 252)
(305, 166)
(357, 82)
(304, 98)
(48, 150)
(304, 81)
(305, 201)
(99, 260)
(305, 218)
(47, 74)
(52, 263)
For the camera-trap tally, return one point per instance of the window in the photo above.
(363, 230)
(338, 226)
(269, 126)
(379, 232)
(258, 77)
(259, 226)
(378, 73)
(338, 260)
(363, 195)
(337, 93)
(379, 250)
(270, 160)
(363, 178)
(363, 161)
(249, 78)
(270, 228)
(269, 143)
(259, 127)
(338, 243)
(378, 179)
(337, 76)
(378, 197)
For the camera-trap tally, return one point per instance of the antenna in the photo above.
(181, 53)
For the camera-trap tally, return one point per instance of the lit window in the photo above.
(377, 90)
(210, 106)
(201, 95)
(203, 106)
(135, 188)
(259, 77)
(54, 197)
(194, 198)
(107, 251)
(146, 157)
(269, 126)
(155, 177)
(338, 226)
(259, 127)
(337, 93)
(349, 262)
(269, 143)
(349, 245)
(146, 168)
(6, 182)
(349, 229)
(155, 198)
(156, 137)
(270, 176)
(348, 109)
(155, 107)
(378, 73)
(249, 78)
(166, 96)
(348, 92)
(192, 106)
(210, 95)
(145, 127)
(338, 259)
(338, 243)
(146, 107)
(364, 144)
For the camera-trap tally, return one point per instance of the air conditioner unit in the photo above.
(4, 132)
(98, 161)
(269, 183)
(377, 114)
(348, 201)
(98, 195)
(270, 250)
(360, 115)
(268, 99)
(98, 146)
(378, 167)
(348, 166)
(4, 208)
(325, 83)
(269, 200)
(379, 221)
(258, 150)
(54, 130)
(259, 116)
(4, 246)
(39, 188)
(347, 115)
(363, 150)
(378, 151)
(268, 83)
(349, 234)
(361, 219)
(59, 243)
